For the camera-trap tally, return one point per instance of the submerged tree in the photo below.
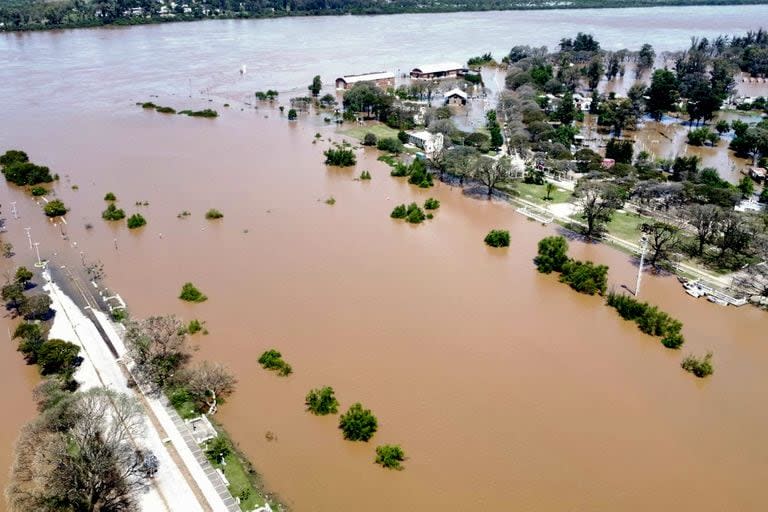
(158, 347)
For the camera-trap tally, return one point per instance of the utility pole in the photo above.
(29, 237)
(643, 248)
(13, 210)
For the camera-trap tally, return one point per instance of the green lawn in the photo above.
(380, 130)
(626, 226)
(536, 193)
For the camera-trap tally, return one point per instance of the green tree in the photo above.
(113, 213)
(190, 293)
(663, 239)
(322, 401)
(663, 93)
(497, 238)
(55, 208)
(645, 58)
(620, 150)
(358, 424)
(594, 72)
(370, 139)
(566, 110)
(136, 220)
(340, 157)
(700, 367)
(57, 356)
(37, 306)
(316, 86)
(23, 276)
(552, 255)
(585, 277)
(746, 187)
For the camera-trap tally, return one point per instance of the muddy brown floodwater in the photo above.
(507, 390)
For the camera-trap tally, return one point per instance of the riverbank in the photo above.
(76, 15)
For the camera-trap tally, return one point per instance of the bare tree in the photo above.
(596, 202)
(80, 455)
(704, 219)
(209, 383)
(158, 347)
(490, 172)
(663, 239)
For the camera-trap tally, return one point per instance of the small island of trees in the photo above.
(273, 360)
(340, 157)
(390, 456)
(322, 401)
(190, 293)
(497, 238)
(358, 424)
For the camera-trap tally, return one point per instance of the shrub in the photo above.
(418, 174)
(340, 157)
(55, 208)
(190, 293)
(322, 401)
(200, 113)
(330, 201)
(414, 214)
(109, 196)
(497, 238)
(585, 276)
(148, 104)
(400, 212)
(431, 204)
(292, 114)
(390, 144)
(113, 213)
(390, 456)
(649, 319)
(38, 191)
(166, 110)
(136, 221)
(370, 139)
(699, 367)
(399, 170)
(358, 424)
(273, 360)
(365, 175)
(402, 136)
(701, 135)
(194, 326)
(178, 397)
(217, 449)
(553, 254)
(213, 213)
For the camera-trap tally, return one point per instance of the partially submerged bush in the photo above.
(365, 175)
(390, 144)
(497, 238)
(200, 113)
(113, 213)
(553, 254)
(109, 196)
(390, 456)
(699, 367)
(213, 213)
(273, 360)
(166, 110)
(38, 191)
(585, 277)
(55, 208)
(136, 221)
(322, 401)
(340, 157)
(26, 173)
(190, 293)
(415, 215)
(370, 139)
(358, 424)
(648, 318)
(431, 204)
(399, 212)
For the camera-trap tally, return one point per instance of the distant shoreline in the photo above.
(10, 11)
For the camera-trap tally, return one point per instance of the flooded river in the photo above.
(507, 390)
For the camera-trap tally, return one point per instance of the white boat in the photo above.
(694, 290)
(717, 300)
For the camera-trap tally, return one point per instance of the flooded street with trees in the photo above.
(505, 389)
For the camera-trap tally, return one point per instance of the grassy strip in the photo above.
(244, 482)
(381, 131)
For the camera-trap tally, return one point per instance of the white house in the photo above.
(429, 142)
(455, 97)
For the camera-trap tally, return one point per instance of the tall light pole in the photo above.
(643, 248)
(29, 237)
(37, 250)
(13, 210)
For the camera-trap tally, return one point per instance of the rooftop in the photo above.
(457, 92)
(367, 77)
(440, 67)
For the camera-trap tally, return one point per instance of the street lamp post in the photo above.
(643, 248)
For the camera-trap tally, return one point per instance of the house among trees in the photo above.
(383, 79)
(429, 142)
(436, 71)
(455, 97)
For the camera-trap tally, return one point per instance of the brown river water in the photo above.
(507, 390)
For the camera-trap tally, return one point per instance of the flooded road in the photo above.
(507, 390)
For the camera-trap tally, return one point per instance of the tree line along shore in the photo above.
(43, 15)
